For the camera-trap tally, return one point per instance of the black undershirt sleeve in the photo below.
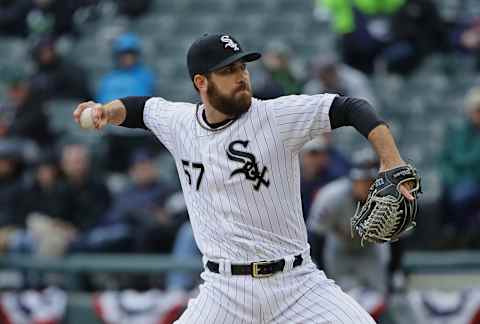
(347, 111)
(134, 106)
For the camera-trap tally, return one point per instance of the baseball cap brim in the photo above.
(245, 57)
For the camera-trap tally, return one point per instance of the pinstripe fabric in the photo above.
(301, 118)
(303, 295)
(231, 220)
(242, 189)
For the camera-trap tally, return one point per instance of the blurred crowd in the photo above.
(58, 195)
(31, 18)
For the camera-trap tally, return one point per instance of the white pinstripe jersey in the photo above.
(242, 183)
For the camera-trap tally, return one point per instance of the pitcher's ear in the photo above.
(200, 82)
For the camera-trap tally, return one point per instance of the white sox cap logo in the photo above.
(229, 43)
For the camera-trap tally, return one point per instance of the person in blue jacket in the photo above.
(130, 77)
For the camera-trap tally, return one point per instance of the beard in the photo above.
(233, 105)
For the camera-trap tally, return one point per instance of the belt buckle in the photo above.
(256, 269)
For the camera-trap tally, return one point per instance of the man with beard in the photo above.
(237, 158)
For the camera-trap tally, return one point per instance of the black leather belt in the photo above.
(256, 269)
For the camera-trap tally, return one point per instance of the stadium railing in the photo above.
(422, 262)
(425, 270)
(78, 264)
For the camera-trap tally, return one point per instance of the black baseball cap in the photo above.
(212, 52)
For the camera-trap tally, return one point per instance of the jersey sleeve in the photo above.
(159, 116)
(300, 118)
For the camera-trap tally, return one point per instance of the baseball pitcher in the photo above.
(237, 159)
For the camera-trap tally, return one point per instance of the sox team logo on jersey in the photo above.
(250, 166)
(229, 43)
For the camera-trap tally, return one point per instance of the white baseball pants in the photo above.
(301, 295)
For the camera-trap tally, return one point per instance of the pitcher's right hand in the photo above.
(99, 115)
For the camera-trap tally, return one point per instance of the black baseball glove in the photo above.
(386, 213)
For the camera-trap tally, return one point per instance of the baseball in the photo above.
(86, 118)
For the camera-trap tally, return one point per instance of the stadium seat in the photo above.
(60, 114)
(246, 7)
(61, 121)
(160, 24)
(163, 6)
(289, 24)
(92, 53)
(243, 26)
(186, 27)
(206, 7)
(299, 6)
(14, 52)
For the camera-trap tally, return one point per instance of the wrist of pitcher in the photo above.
(391, 164)
(114, 115)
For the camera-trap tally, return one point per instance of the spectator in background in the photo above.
(86, 195)
(398, 32)
(142, 204)
(11, 182)
(331, 76)
(13, 14)
(362, 27)
(459, 165)
(23, 116)
(11, 177)
(183, 247)
(342, 257)
(43, 207)
(136, 209)
(321, 164)
(277, 74)
(44, 192)
(130, 77)
(51, 17)
(54, 77)
(418, 30)
(158, 229)
(264, 87)
(466, 37)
